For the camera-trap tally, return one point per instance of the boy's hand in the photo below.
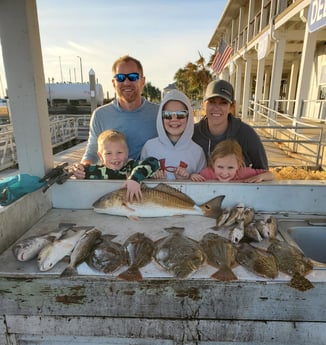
(78, 171)
(181, 173)
(160, 175)
(133, 190)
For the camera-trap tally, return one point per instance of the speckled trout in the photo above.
(160, 201)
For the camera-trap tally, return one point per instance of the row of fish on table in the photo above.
(176, 253)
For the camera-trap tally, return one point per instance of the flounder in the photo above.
(292, 261)
(139, 250)
(221, 254)
(107, 256)
(179, 254)
(257, 261)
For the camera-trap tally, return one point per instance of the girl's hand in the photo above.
(197, 178)
(267, 176)
(133, 190)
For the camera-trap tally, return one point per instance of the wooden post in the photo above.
(92, 87)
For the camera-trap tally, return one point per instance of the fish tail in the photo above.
(212, 207)
(300, 283)
(131, 274)
(225, 274)
(69, 271)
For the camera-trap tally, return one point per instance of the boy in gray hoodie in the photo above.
(178, 154)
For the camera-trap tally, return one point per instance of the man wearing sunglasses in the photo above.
(129, 113)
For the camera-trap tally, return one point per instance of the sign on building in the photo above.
(317, 15)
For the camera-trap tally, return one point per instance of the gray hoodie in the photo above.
(184, 150)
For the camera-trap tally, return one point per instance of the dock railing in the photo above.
(298, 138)
(302, 140)
(8, 157)
(63, 129)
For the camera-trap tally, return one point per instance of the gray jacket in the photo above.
(252, 148)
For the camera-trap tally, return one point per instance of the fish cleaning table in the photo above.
(96, 308)
(195, 227)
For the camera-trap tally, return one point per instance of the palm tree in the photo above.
(193, 78)
(151, 93)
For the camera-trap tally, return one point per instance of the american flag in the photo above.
(222, 57)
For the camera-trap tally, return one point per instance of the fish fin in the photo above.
(131, 274)
(300, 283)
(75, 229)
(165, 188)
(212, 207)
(125, 204)
(69, 271)
(318, 264)
(108, 237)
(65, 227)
(224, 274)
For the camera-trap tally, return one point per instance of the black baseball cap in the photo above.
(220, 88)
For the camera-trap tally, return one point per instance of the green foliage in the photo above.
(193, 78)
(152, 93)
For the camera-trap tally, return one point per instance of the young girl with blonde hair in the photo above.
(226, 164)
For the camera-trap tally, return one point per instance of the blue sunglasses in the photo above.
(121, 77)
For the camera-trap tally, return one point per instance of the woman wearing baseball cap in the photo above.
(219, 124)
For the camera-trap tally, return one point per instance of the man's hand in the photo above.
(78, 170)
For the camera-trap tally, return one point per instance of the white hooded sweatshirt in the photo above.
(184, 150)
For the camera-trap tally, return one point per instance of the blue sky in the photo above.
(164, 34)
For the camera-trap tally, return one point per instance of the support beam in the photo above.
(246, 87)
(277, 69)
(307, 60)
(21, 47)
(259, 83)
